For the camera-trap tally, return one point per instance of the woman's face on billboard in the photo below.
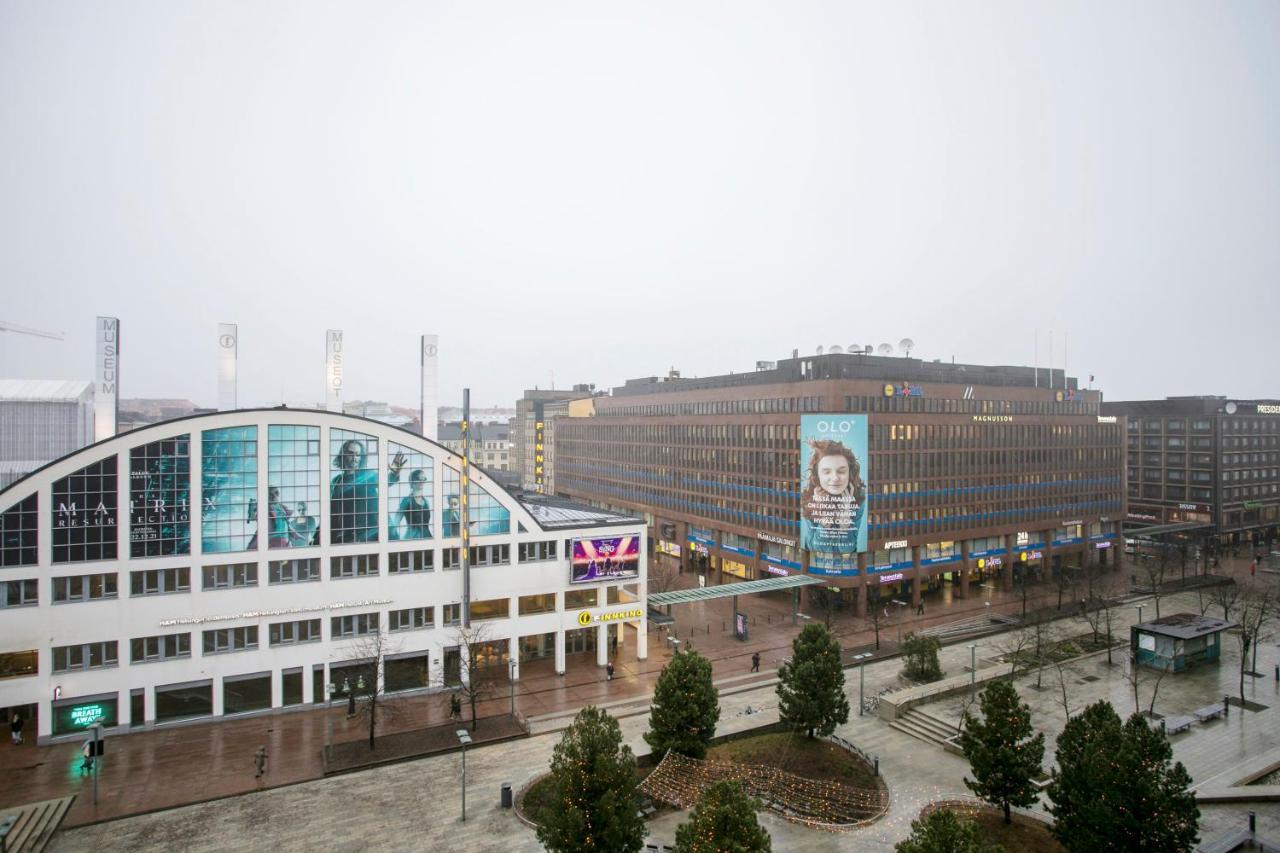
(833, 474)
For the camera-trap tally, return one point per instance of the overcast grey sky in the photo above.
(594, 191)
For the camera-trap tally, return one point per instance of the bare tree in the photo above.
(476, 682)
(368, 654)
(824, 602)
(1257, 608)
(1064, 673)
(1227, 596)
(662, 575)
(877, 616)
(1154, 569)
(1012, 646)
(1139, 675)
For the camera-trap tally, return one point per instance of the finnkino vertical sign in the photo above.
(833, 483)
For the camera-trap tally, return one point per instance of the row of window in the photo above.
(246, 638)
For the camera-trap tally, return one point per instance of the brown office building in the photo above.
(971, 471)
(1211, 460)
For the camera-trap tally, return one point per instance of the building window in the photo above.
(576, 599)
(411, 619)
(485, 514)
(353, 492)
(293, 571)
(230, 640)
(409, 494)
(160, 581)
(293, 486)
(230, 576)
(292, 633)
(159, 498)
(353, 566)
(229, 483)
(452, 614)
(18, 545)
(84, 514)
(22, 593)
(84, 588)
(19, 664)
(355, 625)
(530, 604)
(410, 561)
(163, 647)
(530, 552)
(494, 608)
(86, 656)
(451, 558)
(490, 555)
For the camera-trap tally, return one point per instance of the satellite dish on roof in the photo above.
(819, 350)
(835, 349)
(1230, 408)
(884, 349)
(905, 345)
(852, 348)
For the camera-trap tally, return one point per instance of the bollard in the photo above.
(708, 630)
(1253, 822)
(1226, 707)
(877, 760)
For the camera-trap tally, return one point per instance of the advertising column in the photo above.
(429, 350)
(228, 346)
(333, 370)
(106, 379)
(833, 491)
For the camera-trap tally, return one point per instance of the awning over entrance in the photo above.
(730, 590)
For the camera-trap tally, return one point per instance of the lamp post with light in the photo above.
(464, 738)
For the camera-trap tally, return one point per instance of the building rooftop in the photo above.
(553, 513)
(1185, 626)
(856, 366)
(1205, 405)
(45, 390)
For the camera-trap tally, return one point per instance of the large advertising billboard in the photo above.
(833, 483)
(159, 493)
(615, 558)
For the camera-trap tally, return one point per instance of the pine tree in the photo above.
(811, 685)
(686, 707)
(920, 657)
(1116, 788)
(594, 775)
(1002, 752)
(723, 821)
(943, 832)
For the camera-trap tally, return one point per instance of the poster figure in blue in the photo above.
(414, 512)
(353, 493)
(833, 497)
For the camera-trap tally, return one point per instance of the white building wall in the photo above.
(47, 625)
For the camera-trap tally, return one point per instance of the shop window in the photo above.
(244, 693)
(180, 701)
(291, 687)
(79, 715)
(409, 672)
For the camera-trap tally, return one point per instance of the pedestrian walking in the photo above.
(86, 751)
(260, 762)
(613, 645)
(608, 668)
(455, 707)
(920, 609)
(755, 662)
(15, 728)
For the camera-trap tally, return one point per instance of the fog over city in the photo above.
(586, 192)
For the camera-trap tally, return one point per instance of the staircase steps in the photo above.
(925, 727)
(36, 824)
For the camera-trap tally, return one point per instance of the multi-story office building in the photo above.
(137, 586)
(968, 470)
(41, 420)
(532, 431)
(1208, 460)
(490, 443)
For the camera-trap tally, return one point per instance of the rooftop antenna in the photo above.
(885, 349)
(905, 345)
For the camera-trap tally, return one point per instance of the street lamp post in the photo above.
(862, 681)
(328, 721)
(464, 737)
(511, 672)
(1139, 614)
(973, 664)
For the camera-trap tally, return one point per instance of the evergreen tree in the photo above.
(1002, 752)
(811, 685)
(920, 657)
(686, 707)
(943, 832)
(723, 821)
(595, 803)
(1117, 788)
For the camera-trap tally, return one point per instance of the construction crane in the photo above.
(26, 330)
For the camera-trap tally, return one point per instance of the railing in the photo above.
(873, 760)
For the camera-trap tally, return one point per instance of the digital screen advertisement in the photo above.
(616, 558)
(833, 483)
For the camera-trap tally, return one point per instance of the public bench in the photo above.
(1208, 712)
(1181, 723)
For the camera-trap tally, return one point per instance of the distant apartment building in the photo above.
(532, 433)
(490, 444)
(42, 420)
(1208, 460)
(377, 411)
